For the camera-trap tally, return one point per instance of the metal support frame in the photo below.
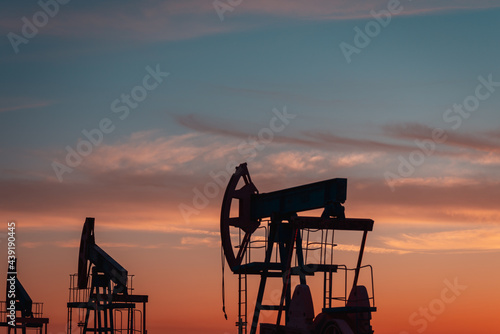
(281, 206)
(29, 315)
(108, 293)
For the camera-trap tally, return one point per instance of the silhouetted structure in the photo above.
(102, 293)
(291, 234)
(19, 311)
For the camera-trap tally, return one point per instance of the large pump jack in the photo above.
(20, 312)
(108, 293)
(286, 229)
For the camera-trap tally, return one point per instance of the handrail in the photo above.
(345, 298)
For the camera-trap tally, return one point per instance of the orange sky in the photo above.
(425, 233)
(180, 270)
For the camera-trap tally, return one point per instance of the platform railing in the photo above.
(77, 295)
(344, 298)
(37, 310)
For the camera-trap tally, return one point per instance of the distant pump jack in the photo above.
(20, 312)
(100, 293)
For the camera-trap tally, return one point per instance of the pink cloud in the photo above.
(470, 240)
(211, 242)
(24, 106)
(144, 178)
(170, 20)
(480, 141)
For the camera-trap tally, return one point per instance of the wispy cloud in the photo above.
(227, 128)
(290, 161)
(480, 141)
(166, 228)
(147, 21)
(176, 235)
(170, 20)
(369, 249)
(320, 138)
(33, 244)
(444, 181)
(470, 240)
(25, 106)
(324, 138)
(146, 176)
(130, 245)
(211, 242)
(149, 152)
(471, 148)
(334, 10)
(74, 244)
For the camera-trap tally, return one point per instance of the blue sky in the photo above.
(227, 80)
(410, 72)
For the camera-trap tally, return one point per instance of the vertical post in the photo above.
(285, 293)
(105, 314)
(129, 321)
(111, 322)
(131, 330)
(263, 276)
(360, 258)
(144, 317)
(70, 319)
(98, 310)
(330, 288)
(246, 304)
(95, 316)
(240, 325)
(330, 281)
(300, 258)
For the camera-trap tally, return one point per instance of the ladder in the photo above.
(242, 304)
(328, 274)
(280, 270)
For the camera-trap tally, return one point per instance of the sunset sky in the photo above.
(135, 112)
